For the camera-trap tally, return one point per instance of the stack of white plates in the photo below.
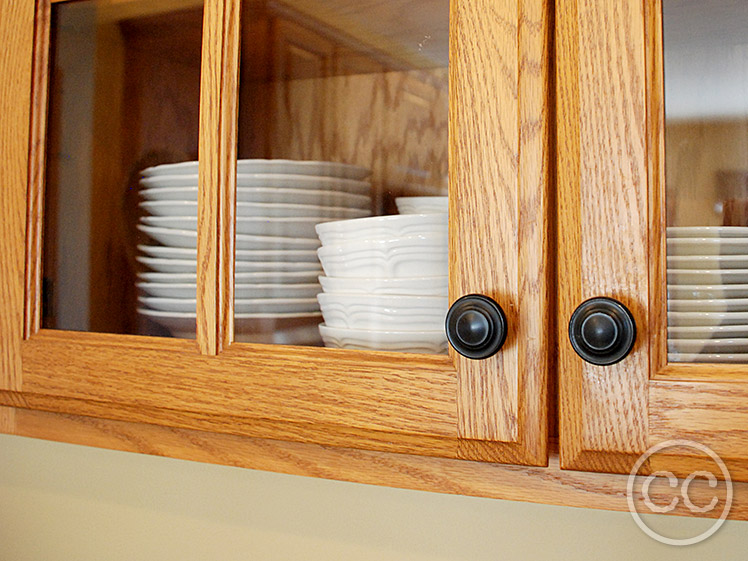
(707, 294)
(279, 202)
(386, 283)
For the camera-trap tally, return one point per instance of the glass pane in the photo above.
(343, 115)
(706, 110)
(124, 96)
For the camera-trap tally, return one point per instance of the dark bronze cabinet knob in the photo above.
(476, 326)
(602, 331)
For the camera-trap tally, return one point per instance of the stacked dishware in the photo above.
(385, 283)
(279, 202)
(707, 271)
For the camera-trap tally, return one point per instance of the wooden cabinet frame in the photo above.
(612, 223)
(493, 410)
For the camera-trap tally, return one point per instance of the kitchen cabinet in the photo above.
(549, 205)
(432, 405)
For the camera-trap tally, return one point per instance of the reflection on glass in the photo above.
(343, 111)
(706, 110)
(124, 96)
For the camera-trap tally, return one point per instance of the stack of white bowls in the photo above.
(385, 283)
(707, 294)
(279, 202)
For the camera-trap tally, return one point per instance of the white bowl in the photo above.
(716, 305)
(707, 232)
(422, 205)
(387, 286)
(277, 181)
(430, 342)
(384, 313)
(707, 292)
(250, 210)
(188, 239)
(707, 345)
(409, 256)
(707, 246)
(257, 165)
(708, 357)
(243, 291)
(265, 195)
(381, 227)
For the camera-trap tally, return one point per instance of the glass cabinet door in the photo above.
(652, 108)
(258, 214)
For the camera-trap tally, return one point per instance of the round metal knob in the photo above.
(476, 326)
(602, 331)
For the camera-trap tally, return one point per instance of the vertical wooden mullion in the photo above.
(217, 177)
(36, 175)
(17, 38)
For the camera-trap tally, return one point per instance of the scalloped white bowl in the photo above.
(422, 255)
(384, 313)
(408, 286)
(422, 205)
(427, 342)
(381, 227)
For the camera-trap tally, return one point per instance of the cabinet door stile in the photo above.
(17, 36)
(217, 176)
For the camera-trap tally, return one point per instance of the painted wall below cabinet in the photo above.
(61, 502)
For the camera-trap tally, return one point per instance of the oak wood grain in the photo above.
(37, 162)
(217, 176)
(16, 63)
(603, 224)
(550, 485)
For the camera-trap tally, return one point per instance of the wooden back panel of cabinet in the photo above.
(493, 410)
(612, 220)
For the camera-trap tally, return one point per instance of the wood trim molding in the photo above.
(550, 485)
(217, 176)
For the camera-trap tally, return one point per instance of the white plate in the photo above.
(707, 292)
(188, 239)
(707, 345)
(707, 318)
(430, 342)
(265, 195)
(250, 210)
(708, 332)
(707, 232)
(241, 306)
(241, 290)
(707, 246)
(707, 276)
(300, 167)
(707, 357)
(707, 262)
(182, 324)
(279, 181)
(261, 277)
(411, 286)
(251, 255)
(190, 265)
(715, 305)
(256, 226)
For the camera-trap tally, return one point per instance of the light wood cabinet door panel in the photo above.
(612, 242)
(494, 410)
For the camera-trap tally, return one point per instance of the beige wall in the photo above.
(63, 502)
